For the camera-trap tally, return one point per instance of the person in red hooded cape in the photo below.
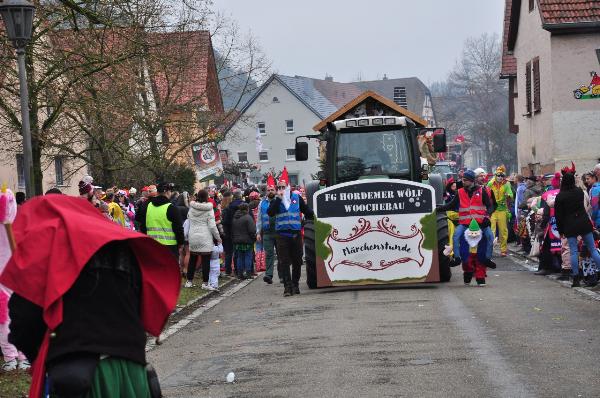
(86, 291)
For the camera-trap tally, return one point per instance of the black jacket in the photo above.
(571, 217)
(227, 216)
(243, 228)
(101, 312)
(173, 215)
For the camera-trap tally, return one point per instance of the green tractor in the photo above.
(375, 200)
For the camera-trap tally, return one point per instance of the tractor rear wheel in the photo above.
(310, 254)
(442, 236)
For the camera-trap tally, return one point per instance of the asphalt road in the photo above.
(520, 336)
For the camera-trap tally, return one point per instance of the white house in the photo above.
(285, 107)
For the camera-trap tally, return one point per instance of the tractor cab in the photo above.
(373, 147)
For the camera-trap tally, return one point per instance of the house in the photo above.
(285, 107)
(551, 59)
(183, 84)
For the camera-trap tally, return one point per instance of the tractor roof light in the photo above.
(363, 122)
(377, 122)
(390, 120)
(351, 123)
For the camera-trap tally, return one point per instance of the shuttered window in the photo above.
(537, 100)
(528, 88)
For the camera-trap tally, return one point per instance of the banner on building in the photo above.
(207, 160)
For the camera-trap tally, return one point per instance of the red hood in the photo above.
(56, 236)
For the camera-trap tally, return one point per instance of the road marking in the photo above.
(499, 371)
(186, 321)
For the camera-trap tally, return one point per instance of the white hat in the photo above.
(132, 191)
(479, 171)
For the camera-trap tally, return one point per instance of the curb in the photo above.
(582, 290)
(177, 326)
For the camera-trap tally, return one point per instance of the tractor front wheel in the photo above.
(442, 236)
(310, 254)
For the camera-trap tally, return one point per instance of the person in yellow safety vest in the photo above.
(160, 219)
(502, 193)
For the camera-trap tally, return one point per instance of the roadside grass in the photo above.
(188, 294)
(14, 384)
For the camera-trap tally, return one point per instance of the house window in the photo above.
(58, 170)
(276, 100)
(290, 154)
(528, 89)
(262, 128)
(20, 170)
(263, 156)
(289, 126)
(537, 101)
(293, 179)
(400, 96)
(242, 156)
(531, 5)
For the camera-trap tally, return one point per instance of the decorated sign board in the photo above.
(207, 160)
(375, 232)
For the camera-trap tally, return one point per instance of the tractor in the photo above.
(373, 188)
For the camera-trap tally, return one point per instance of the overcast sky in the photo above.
(367, 38)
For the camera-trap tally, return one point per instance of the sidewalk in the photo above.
(531, 263)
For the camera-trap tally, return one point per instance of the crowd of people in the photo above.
(222, 231)
(553, 217)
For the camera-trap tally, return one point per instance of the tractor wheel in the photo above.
(311, 188)
(442, 235)
(310, 254)
(578, 94)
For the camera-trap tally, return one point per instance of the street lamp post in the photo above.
(18, 20)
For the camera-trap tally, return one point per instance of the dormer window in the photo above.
(276, 100)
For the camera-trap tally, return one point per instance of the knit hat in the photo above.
(85, 188)
(132, 191)
(479, 171)
(469, 175)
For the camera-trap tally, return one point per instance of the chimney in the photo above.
(385, 76)
(328, 78)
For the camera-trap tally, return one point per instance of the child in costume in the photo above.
(473, 250)
(215, 266)
(13, 359)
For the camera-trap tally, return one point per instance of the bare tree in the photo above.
(474, 101)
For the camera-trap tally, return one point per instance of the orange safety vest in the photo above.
(471, 207)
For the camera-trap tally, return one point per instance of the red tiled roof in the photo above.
(185, 80)
(569, 11)
(509, 62)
